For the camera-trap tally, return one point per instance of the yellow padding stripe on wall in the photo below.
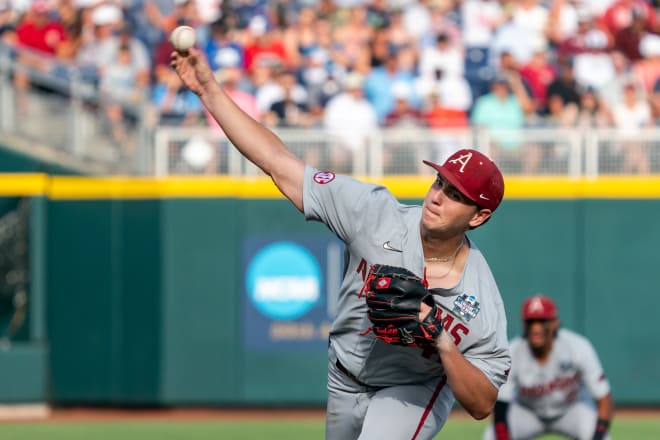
(23, 184)
(415, 187)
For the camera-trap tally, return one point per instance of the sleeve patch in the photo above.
(323, 177)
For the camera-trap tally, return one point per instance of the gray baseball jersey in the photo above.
(557, 396)
(572, 372)
(376, 228)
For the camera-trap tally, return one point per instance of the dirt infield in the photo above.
(216, 414)
(185, 414)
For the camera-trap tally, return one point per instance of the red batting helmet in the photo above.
(539, 307)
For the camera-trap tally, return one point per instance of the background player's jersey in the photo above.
(376, 228)
(572, 372)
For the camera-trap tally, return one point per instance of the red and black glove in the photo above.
(394, 296)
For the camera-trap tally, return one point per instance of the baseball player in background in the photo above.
(555, 378)
(378, 390)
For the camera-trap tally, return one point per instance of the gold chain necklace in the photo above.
(449, 258)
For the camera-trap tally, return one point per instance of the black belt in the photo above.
(350, 375)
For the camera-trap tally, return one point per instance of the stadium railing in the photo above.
(64, 110)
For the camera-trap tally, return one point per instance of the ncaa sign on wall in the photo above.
(283, 280)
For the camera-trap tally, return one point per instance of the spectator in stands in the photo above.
(401, 147)
(289, 107)
(480, 20)
(99, 43)
(500, 113)
(350, 39)
(381, 79)
(539, 74)
(122, 87)
(592, 112)
(621, 15)
(647, 70)
(563, 20)
(565, 85)
(263, 45)
(443, 56)
(41, 36)
(627, 40)
(174, 104)
(38, 31)
(301, 36)
(222, 45)
(509, 68)
(449, 125)
(400, 36)
(184, 12)
(455, 90)
(514, 38)
(315, 74)
(378, 14)
(629, 116)
(593, 65)
(611, 93)
(403, 115)
(349, 118)
(532, 15)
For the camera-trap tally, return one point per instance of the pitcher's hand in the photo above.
(194, 71)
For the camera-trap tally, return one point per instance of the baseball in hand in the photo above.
(182, 38)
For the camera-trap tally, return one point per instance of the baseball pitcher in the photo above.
(420, 319)
(555, 378)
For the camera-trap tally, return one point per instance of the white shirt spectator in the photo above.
(417, 21)
(597, 7)
(515, 39)
(351, 119)
(631, 119)
(594, 68)
(450, 60)
(480, 19)
(534, 18)
(455, 92)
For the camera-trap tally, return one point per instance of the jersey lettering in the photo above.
(456, 331)
(459, 328)
(560, 383)
(463, 160)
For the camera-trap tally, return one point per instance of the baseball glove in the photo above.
(394, 296)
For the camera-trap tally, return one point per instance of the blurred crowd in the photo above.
(355, 65)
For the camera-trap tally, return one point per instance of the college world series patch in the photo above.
(466, 306)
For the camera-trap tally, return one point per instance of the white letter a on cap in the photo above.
(463, 160)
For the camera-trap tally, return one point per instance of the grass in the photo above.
(625, 429)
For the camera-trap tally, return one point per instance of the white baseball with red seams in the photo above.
(182, 38)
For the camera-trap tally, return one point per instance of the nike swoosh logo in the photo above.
(387, 247)
(483, 197)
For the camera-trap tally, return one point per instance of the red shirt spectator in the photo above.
(38, 31)
(266, 46)
(620, 15)
(539, 74)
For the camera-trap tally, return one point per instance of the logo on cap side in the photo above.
(483, 197)
(463, 160)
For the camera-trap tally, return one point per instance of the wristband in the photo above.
(602, 426)
(500, 414)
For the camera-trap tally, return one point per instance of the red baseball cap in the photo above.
(539, 307)
(475, 175)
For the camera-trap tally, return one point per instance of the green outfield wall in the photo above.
(146, 285)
